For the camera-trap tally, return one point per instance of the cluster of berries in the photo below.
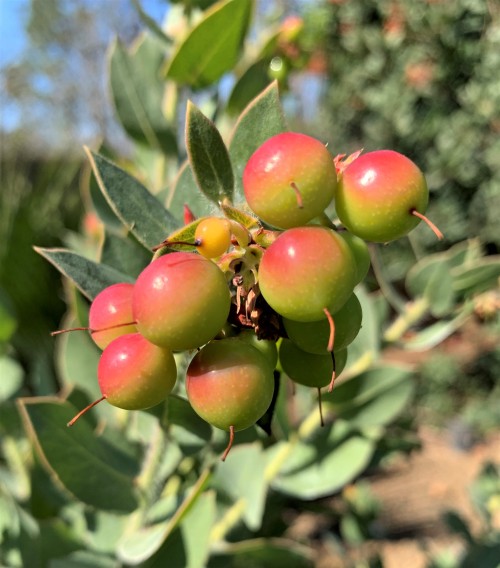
(252, 294)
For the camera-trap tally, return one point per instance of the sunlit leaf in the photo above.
(326, 468)
(260, 120)
(242, 476)
(208, 156)
(213, 45)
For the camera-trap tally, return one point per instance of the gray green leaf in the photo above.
(89, 277)
(260, 120)
(208, 156)
(140, 212)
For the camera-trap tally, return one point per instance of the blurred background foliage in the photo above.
(418, 77)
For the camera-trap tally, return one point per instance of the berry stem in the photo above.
(334, 375)
(432, 226)
(320, 406)
(86, 409)
(167, 243)
(298, 195)
(230, 444)
(60, 331)
(331, 338)
(332, 382)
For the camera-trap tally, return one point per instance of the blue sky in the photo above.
(14, 42)
(49, 109)
(13, 14)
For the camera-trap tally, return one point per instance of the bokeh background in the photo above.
(420, 77)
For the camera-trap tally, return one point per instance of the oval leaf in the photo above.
(196, 530)
(366, 386)
(12, 375)
(213, 46)
(208, 156)
(138, 94)
(89, 276)
(431, 278)
(79, 460)
(140, 212)
(437, 332)
(481, 276)
(242, 476)
(254, 79)
(261, 119)
(333, 467)
(136, 547)
(381, 409)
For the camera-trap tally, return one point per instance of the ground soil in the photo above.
(417, 490)
(414, 494)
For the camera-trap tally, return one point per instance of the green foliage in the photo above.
(95, 472)
(138, 95)
(472, 408)
(315, 462)
(90, 277)
(212, 47)
(147, 487)
(133, 204)
(421, 78)
(251, 131)
(361, 509)
(208, 156)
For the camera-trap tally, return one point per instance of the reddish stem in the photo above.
(331, 338)
(196, 243)
(433, 227)
(86, 409)
(230, 444)
(320, 406)
(59, 331)
(298, 195)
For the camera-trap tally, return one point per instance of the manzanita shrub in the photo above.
(187, 436)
